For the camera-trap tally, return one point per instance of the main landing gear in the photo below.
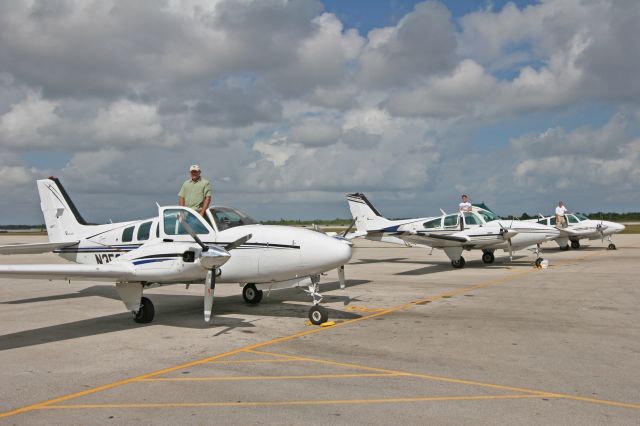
(611, 246)
(458, 263)
(488, 257)
(575, 244)
(145, 312)
(251, 294)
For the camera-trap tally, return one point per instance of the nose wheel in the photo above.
(575, 244)
(488, 257)
(145, 312)
(318, 315)
(611, 246)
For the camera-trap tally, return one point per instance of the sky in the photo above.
(290, 105)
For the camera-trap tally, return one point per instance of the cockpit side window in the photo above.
(226, 218)
(542, 221)
(173, 225)
(451, 221)
(472, 219)
(572, 219)
(433, 223)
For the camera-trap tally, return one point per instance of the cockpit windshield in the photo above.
(582, 216)
(227, 217)
(487, 215)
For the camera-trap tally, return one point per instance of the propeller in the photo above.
(507, 234)
(212, 258)
(344, 234)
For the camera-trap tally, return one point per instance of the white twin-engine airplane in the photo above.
(579, 226)
(480, 229)
(180, 246)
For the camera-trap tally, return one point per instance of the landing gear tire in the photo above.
(565, 248)
(611, 247)
(575, 244)
(458, 263)
(318, 315)
(488, 257)
(251, 294)
(145, 313)
(539, 262)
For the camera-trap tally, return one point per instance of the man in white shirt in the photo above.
(465, 205)
(561, 210)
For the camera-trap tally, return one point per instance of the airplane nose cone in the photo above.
(322, 253)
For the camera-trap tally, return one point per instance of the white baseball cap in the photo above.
(194, 168)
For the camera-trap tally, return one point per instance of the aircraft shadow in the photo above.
(177, 311)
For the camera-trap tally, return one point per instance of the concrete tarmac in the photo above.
(415, 342)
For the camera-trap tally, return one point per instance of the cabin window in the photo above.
(173, 225)
(127, 234)
(451, 220)
(144, 231)
(433, 223)
(552, 221)
(542, 221)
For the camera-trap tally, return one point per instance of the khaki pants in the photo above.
(560, 221)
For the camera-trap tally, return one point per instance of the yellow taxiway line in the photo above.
(298, 402)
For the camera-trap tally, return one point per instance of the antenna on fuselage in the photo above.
(443, 212)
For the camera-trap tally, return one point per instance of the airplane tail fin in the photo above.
(62, 218)
(367, 217)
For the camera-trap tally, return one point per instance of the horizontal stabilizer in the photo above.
(34, 248)
(105, 272)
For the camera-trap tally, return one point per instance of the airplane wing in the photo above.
(444, 237)
(105, 272)
(34, 248)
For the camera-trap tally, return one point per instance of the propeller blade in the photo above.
(209, 289)
(341, 277)
(237, 243)
(510, 250)
(344, 234)
(190, 231)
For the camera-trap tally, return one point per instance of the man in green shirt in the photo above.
(196, 192)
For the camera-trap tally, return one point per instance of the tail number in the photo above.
(106, 257)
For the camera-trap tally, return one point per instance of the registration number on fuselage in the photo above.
(106, 257)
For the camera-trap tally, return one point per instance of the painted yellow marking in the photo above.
(545, 394)
(257, 361)
(363, 309)
(328, 324)
(242, 378)
(275, 403)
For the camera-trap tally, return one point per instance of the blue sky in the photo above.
(517, 103)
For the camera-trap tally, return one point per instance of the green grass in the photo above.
(631, 229)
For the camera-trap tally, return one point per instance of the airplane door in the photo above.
(171, 228)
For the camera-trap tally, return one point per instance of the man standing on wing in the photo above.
(195, 192)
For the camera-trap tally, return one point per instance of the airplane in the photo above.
(479, 229)
(579, 226)
(181, 247)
